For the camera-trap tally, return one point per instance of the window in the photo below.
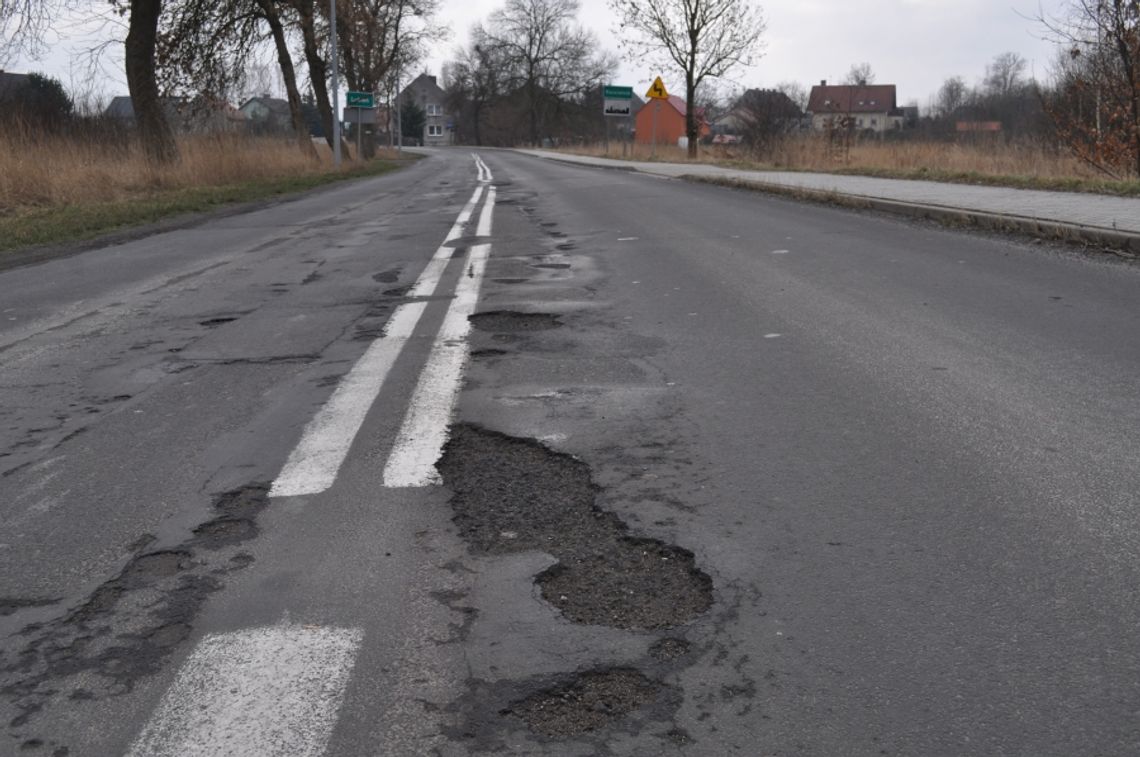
(435, 130)
(434, 110)
(874, 122)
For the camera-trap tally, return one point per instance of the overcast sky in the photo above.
(914, 44)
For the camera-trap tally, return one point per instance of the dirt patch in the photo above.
(590, 701)
(515, 495)
(514, 322)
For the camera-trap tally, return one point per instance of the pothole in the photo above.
(552, 266)
(515, 495)
(387, 277)
(222, 531)
(489, 352)
(215, 322)
(11, 605)
(628, 583)
(590, 701)
(155, 565)
(669, 649)
(511, 321)
(511, 280)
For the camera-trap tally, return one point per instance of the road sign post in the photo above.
(360, 102)
(657, 93)
(616, 103)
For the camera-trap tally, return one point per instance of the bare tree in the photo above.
(24, 24)
(795, 92)
(1004, 76)
(206, 47)
(142, 80)
(860, 75)
(1096, 105)
(703, 38)
(545, 51)
(952, 96)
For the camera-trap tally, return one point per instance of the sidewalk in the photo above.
(1100, 219)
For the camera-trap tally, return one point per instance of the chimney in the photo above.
(432, 79)
(823, 82)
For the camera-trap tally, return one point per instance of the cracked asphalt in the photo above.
(727, 474)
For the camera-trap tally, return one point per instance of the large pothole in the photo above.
(590, 701)
(514, 495)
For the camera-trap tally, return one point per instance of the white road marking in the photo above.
(266, 691)
(779, 252)
(627, 239)
(772, 336)
(424, 431)
(315, 461)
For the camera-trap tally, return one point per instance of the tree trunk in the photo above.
(154, 130)
(318, 69)
(285, 61)
(691, 126)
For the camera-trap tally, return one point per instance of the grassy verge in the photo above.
(23, 227)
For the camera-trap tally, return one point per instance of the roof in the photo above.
(273, 104)
(10, 83)
(852, 98)
(120, 107)
(424, 83)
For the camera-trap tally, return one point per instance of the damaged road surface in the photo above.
(501, 456)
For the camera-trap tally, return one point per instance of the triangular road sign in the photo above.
(657, 91)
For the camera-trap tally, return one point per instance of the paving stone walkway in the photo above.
(1071, 208)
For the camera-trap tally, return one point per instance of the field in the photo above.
(1027, 165)
(59, 188)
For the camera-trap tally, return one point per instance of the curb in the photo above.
(1121, 243)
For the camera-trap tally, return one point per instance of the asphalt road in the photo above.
(724, 474)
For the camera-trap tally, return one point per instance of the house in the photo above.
(267, 115)
(185, 115)
(670, 118)
(439, 127)
(864, 107)
(757, 113)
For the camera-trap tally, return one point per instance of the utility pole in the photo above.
(335, 85)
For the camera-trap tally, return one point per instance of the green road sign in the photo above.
(360, 100)
(617, 93)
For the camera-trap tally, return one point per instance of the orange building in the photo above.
(670, 121)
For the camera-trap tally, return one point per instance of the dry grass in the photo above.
(1020, 165)
(38, 171)
(55, 188)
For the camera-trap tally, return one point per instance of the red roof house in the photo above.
(870, 106)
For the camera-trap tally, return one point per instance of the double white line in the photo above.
(313, 465)
(276, 691)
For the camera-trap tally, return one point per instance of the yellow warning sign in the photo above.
(657, 91)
